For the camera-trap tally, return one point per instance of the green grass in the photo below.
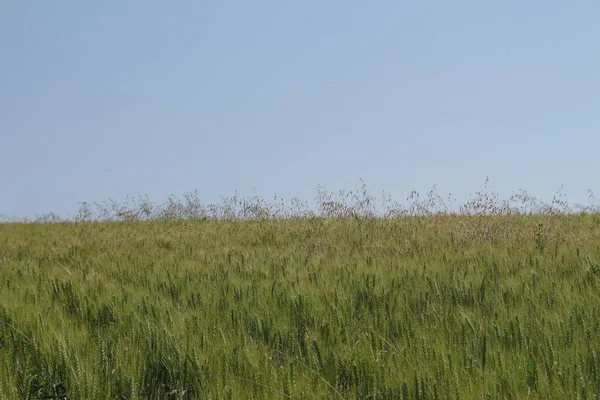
(414, 307)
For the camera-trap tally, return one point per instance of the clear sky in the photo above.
(113, 98)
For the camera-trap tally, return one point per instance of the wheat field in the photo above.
(409, 307)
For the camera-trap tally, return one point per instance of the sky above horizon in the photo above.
(111, 99)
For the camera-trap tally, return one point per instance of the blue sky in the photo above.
(115, 98)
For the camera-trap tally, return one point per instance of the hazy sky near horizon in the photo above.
(114, 98)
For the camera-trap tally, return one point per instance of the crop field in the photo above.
(411, 307)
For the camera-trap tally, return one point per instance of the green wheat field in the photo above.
(498, 305)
